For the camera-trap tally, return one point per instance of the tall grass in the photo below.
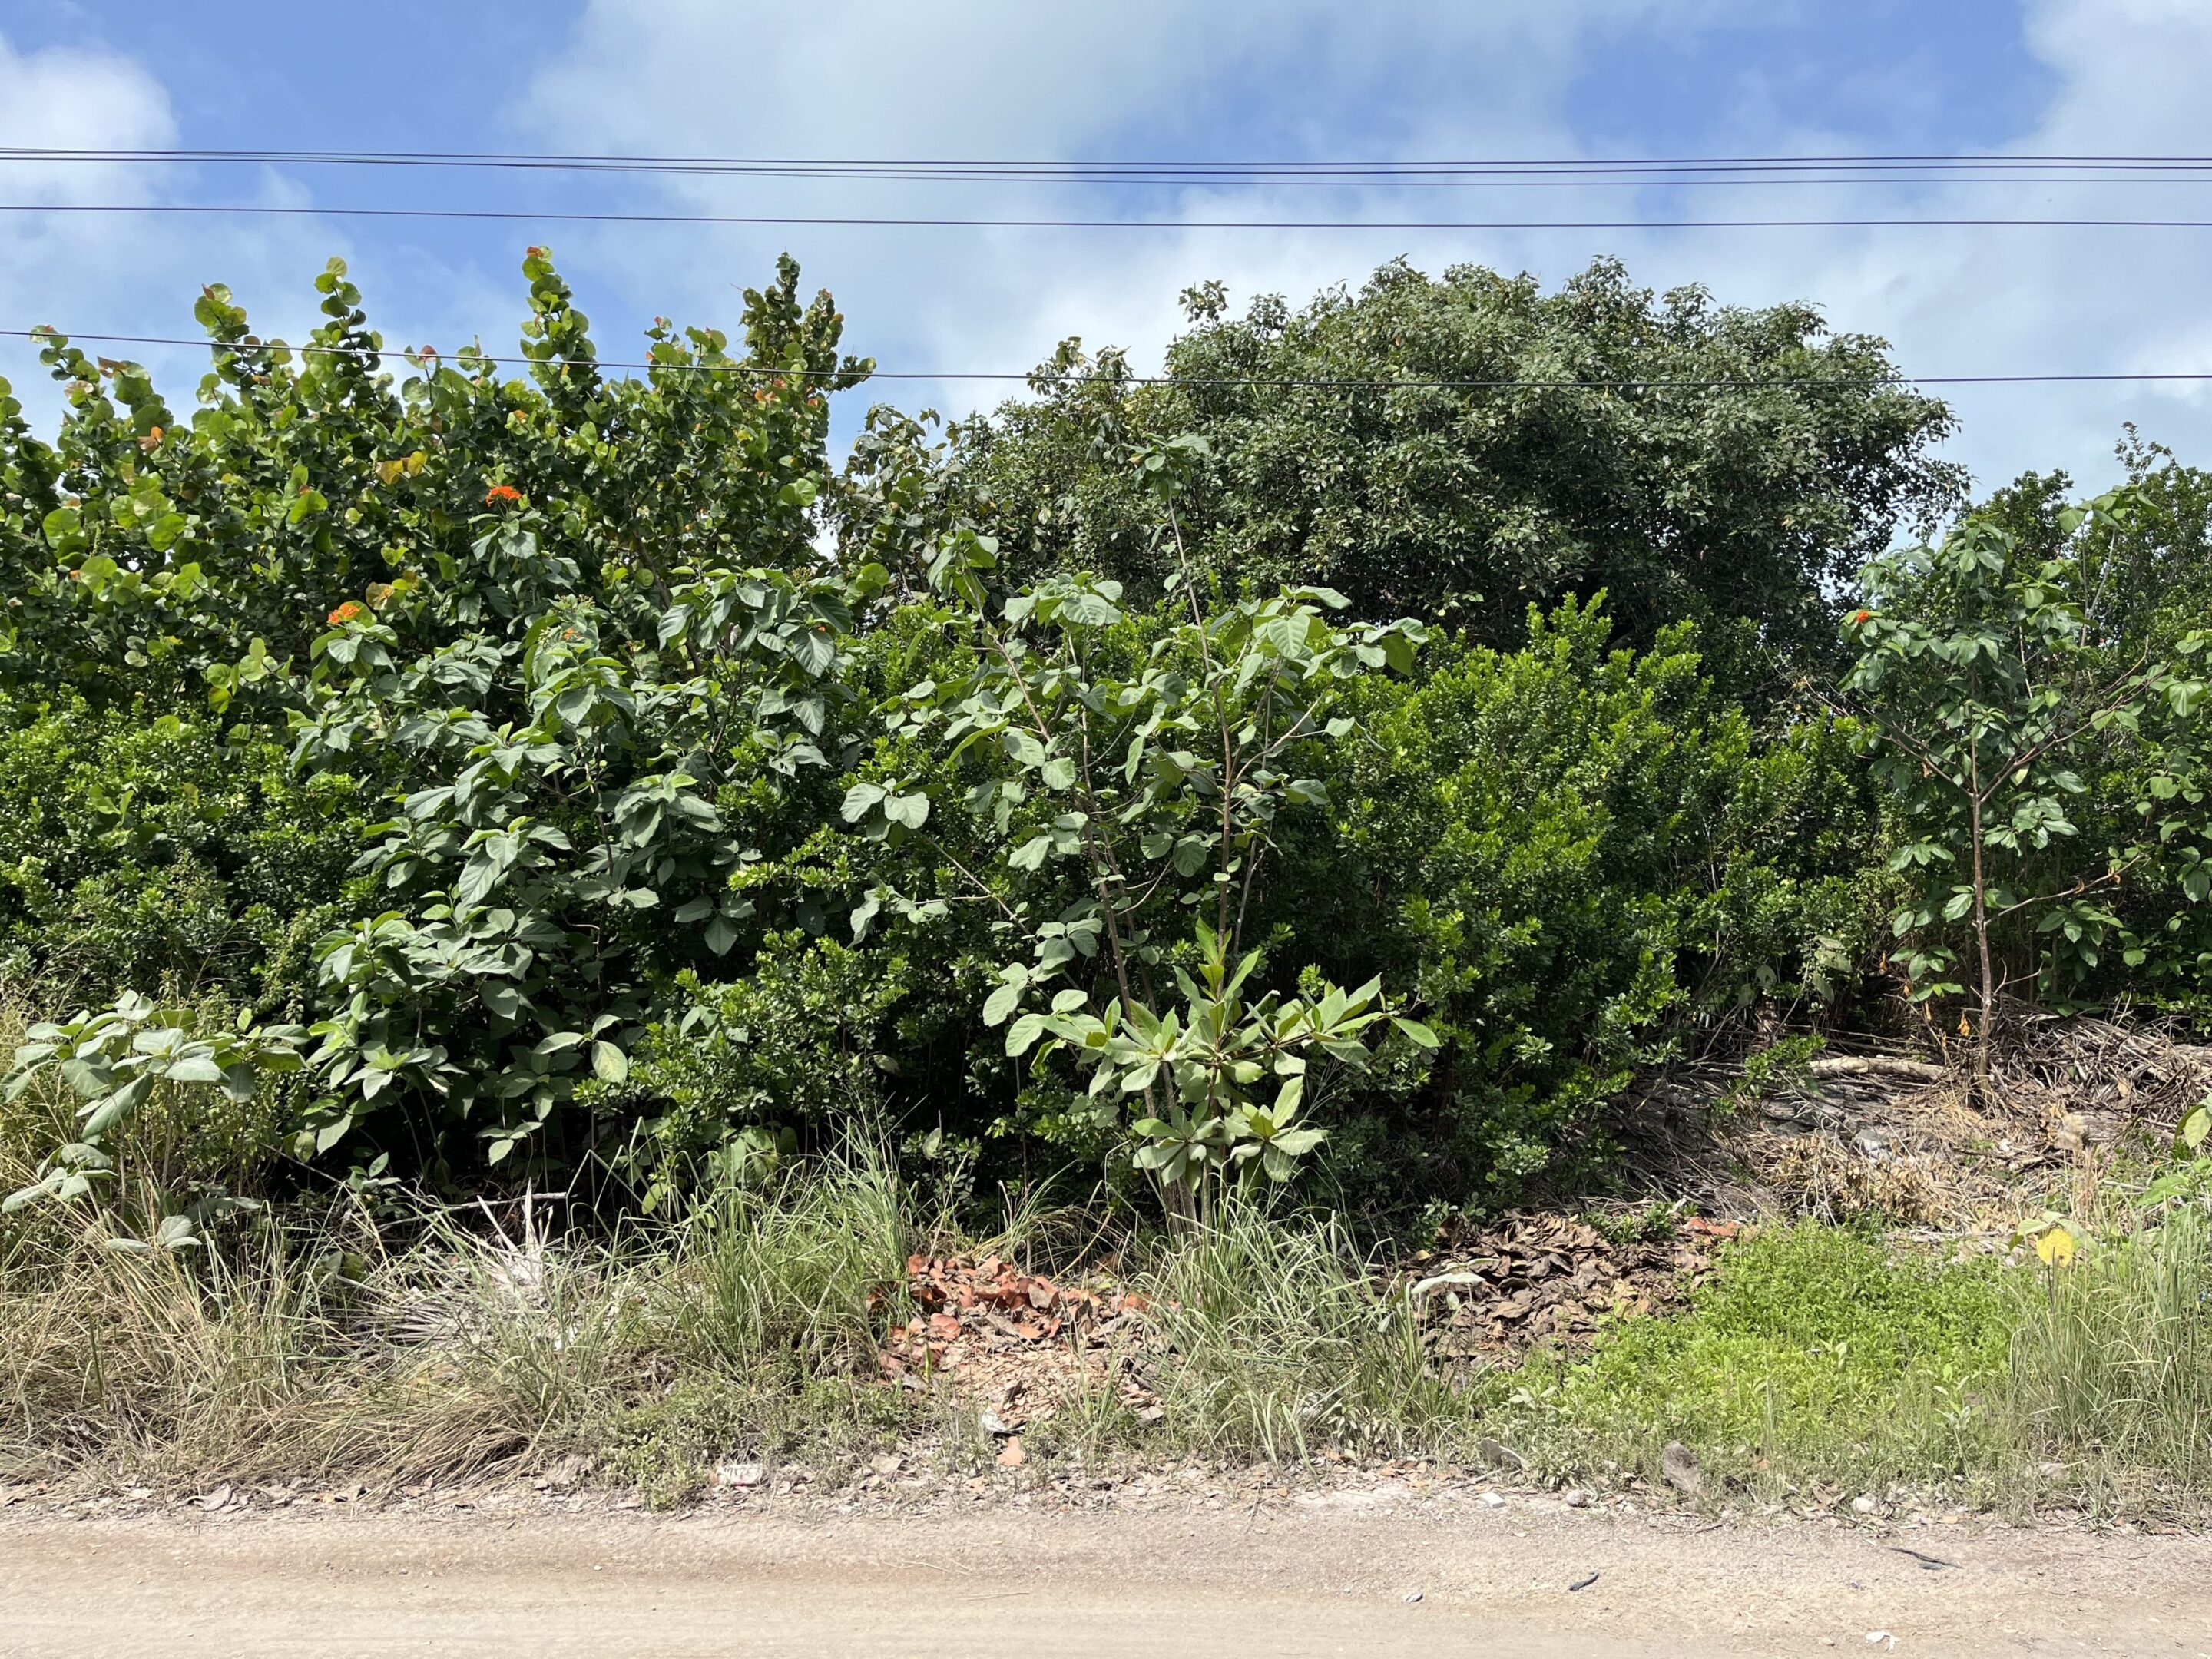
(311, 1351)
(1281, 1341)
(2110, 1379)
(805, 1272)
(247, 1363)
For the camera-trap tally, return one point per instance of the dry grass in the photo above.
(313, 1352)
(249, 1362)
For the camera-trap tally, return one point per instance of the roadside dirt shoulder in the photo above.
(1324, 1574)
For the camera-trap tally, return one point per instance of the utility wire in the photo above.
(1417, 172)
(516, 215)
(1046, 377)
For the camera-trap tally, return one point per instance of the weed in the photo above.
(1778, 1066)
(1282, 1345)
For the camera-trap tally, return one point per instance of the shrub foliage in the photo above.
(579, 770)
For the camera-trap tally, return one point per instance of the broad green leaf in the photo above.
(1417, 1031)
(1021, 1035)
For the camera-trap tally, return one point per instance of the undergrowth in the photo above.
(349, 1343)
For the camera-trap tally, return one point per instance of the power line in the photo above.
(518, 215)
(1411, 384)
(1427, 172)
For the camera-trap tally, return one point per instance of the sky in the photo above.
(1274, 79)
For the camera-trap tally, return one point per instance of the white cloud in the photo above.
(1167, 78)
(1007, 79)
(116, 272)
(1002, 78)
(2001, 300)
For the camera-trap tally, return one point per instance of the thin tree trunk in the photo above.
(1981, 942)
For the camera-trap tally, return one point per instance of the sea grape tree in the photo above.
(1153, 755)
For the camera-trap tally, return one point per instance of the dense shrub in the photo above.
(2035, 710)
(1572, 854)
(605, 780)
(144, 849)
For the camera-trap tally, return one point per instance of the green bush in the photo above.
(1466, 503)
(550, 644)
(1569, 855)
(144, 850)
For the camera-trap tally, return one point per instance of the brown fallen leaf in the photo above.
(1011, 1456)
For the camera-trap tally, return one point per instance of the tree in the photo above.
(1693, 460)
(1987, 691)
(572, 629)
(1156, 755)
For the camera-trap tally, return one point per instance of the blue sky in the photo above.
(1250, 79)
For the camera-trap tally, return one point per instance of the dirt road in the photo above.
(1323, 1577)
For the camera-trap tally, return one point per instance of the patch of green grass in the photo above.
(1814, 1353)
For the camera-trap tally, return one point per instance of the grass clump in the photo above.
(280, 1348)
(2110, 1391)
(1283, 1343)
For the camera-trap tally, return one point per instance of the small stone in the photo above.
(1413, 1595)
(739, 1476)
(1491, 1500)
(1865, 1504)
(889, 1463)
(1679, 1465)
(1575, 1499)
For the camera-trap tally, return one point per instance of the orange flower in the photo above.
(351, 610)
(1858, 616)
(501, 492)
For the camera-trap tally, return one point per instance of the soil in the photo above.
(1379, 1569)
